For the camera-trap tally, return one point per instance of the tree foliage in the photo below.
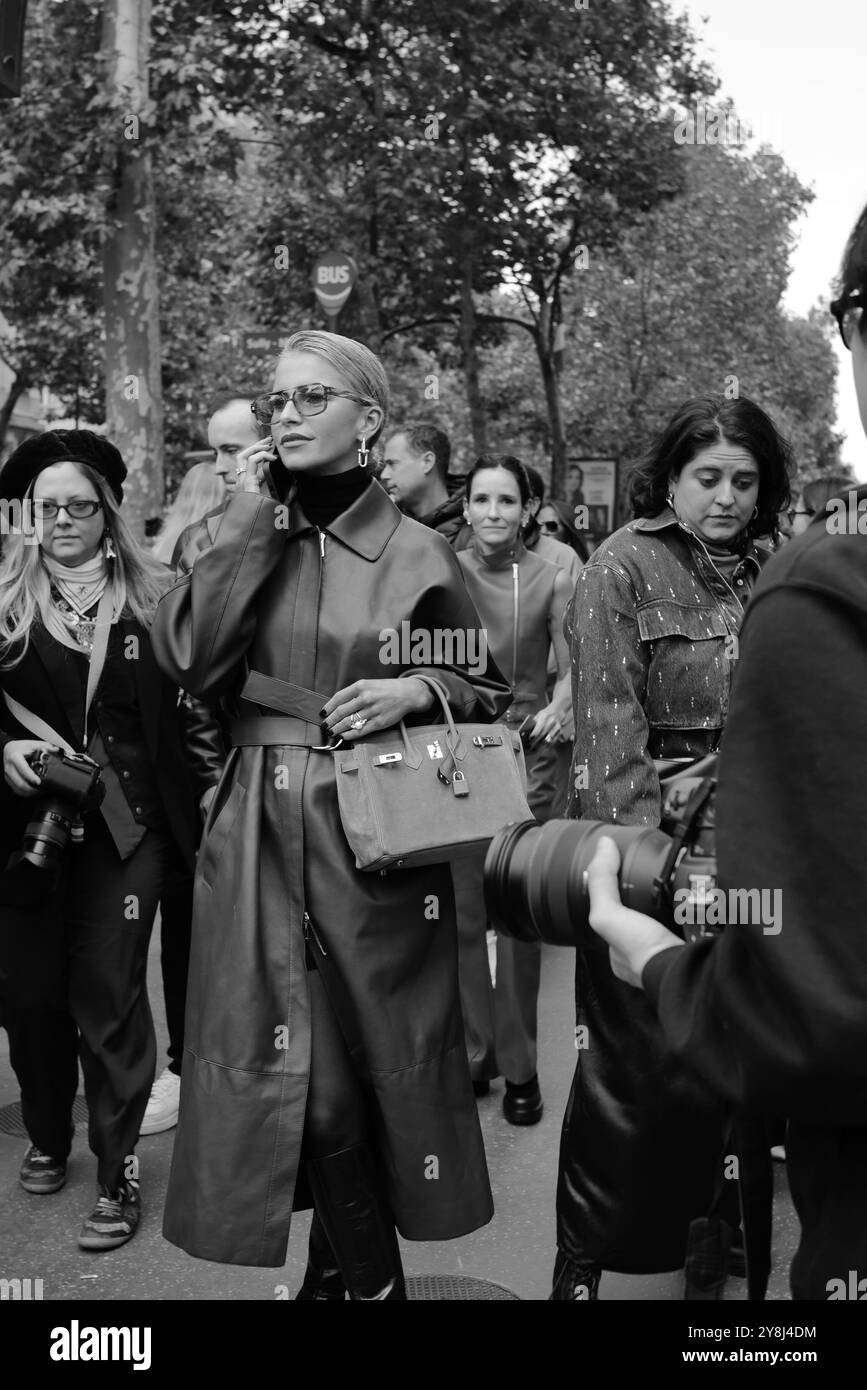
(499, 170)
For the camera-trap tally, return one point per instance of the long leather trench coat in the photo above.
(313, 607)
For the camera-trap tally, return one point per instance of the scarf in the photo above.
(80, 585)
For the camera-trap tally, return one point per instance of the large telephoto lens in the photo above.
(535, 886)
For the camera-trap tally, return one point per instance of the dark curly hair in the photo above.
(699, 423)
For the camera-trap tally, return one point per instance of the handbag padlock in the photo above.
(459, 785)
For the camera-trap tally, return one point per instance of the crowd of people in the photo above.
(169, 721)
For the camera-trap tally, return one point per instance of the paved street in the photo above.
(38, 1234)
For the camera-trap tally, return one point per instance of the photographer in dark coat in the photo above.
(778, 1021)
(77, 595)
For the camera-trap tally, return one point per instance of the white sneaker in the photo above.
(162, 1111)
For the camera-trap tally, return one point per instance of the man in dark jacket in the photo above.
(416, 477)
(775, 1016)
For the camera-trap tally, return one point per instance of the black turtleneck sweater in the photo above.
(323, 497)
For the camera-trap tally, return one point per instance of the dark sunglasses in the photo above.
(552, 527)
(848, 313)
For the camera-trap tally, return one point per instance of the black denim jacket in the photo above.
(653, 629)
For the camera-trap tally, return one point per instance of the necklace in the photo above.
(81, 628)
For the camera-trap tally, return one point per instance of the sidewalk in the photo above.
(38, 1234)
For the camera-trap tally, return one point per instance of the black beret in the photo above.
(61, 446)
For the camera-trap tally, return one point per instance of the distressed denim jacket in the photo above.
(653, 634)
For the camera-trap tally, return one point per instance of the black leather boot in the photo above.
(708, 1259)
(323, 1282)
(573, 1282)
(358, 1224)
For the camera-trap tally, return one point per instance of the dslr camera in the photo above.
(536, 875)
(71, 785)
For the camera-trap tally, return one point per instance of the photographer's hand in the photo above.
(19, 775)
(633, 938)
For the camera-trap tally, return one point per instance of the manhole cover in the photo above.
(12, 1123)
(453, 1288)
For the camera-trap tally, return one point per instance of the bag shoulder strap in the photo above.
(39, 728)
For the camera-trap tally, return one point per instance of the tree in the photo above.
(690, 304)
(457, 151)
(51, 178)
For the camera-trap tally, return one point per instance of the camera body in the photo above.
(536, 875)
(71, 785)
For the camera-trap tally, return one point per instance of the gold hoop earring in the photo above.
(363, 452)
(755, 513)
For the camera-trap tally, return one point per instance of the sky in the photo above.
(795, 71)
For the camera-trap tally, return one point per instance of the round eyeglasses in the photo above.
(306, 400)
(46, 510)
(848, 314)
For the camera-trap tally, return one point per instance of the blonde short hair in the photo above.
(360, 368)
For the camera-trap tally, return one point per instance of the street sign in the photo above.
(262, 341)
(334, 277)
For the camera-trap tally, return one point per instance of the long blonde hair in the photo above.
(25, 590)
(201, 491)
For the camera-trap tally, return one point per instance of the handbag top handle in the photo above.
(453, 737)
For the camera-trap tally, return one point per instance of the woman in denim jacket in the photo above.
(653, 628)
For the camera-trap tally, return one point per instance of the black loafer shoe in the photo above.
(523, 1105)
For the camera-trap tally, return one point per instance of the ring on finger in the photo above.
(357, 721)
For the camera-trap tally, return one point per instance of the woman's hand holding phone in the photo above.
(249, 468)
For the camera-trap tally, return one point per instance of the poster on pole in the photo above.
(591, 487)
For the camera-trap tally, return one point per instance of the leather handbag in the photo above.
(424, 795)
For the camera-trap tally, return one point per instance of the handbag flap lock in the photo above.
(459, 784)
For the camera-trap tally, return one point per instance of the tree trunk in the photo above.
(544, 340)
(478, 423)
(16, 391)
(133, 389)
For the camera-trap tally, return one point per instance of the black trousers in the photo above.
(73, 980)
(176, 923)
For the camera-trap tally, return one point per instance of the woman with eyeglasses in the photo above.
(80, 878)
(654, 624)
(814, 497)
(324, 1046)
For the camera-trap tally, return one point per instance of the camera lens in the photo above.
(47, 835)
(535, 889)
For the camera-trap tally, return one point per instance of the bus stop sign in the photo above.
(334, 277)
